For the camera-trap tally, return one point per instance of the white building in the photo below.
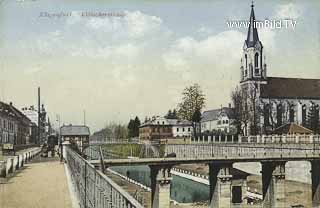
(31, 113)
(218, 120)
(181, 128)
(272, 101)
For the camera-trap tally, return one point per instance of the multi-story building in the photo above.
(32, 114)
(14, 125)
(218, 120)
(8, 125)
(162, 128)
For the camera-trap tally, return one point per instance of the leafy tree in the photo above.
(193, 101)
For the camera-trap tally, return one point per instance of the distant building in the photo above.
(218, 120)
(75, 134)
(162, 128)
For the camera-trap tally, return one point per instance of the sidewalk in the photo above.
(40, 184)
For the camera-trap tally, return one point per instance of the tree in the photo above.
(247, 109)
(133, 127)
(137, 123)
(313, 119)
(193, 101)
(111, 131)
(171, 114)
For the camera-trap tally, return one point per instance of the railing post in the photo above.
(85, 185)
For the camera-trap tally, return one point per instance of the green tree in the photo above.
(131, 128)
(193, 101)
(137, 123)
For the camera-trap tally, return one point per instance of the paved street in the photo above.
(39, 184)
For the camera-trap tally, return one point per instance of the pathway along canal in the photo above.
(182, 190)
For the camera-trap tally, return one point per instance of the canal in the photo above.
(182, 190)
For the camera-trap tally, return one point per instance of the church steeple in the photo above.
(252, 36)
(253, 66)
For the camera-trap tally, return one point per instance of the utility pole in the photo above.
(39, 113)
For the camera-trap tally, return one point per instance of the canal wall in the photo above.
(295, 170)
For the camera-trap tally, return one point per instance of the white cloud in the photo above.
(187, 52)
(288, 11)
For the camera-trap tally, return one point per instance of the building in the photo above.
(162, 128)
(75, 134)
(8, 125)
(220, 120)
(14, 126)
(33, 114)
(271, 102)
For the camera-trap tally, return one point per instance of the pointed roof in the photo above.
(292, 128)
(252, 37)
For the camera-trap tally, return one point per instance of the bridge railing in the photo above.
(245, 151)
(95, 189)
(285, 138)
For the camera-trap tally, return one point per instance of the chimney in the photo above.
(229, 105)
(10, 103)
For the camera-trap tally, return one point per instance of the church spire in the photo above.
(252, 36)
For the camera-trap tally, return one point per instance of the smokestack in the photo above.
(39, 104)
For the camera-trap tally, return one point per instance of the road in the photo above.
(39, 184)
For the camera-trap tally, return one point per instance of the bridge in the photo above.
(220, 158)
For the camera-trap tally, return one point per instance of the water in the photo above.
(295, 170)
(182, 190)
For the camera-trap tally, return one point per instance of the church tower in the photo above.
(252, 62)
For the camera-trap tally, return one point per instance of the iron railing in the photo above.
(94, 189)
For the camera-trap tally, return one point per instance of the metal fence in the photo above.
(95, 189)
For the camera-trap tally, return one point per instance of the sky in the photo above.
(138, 59)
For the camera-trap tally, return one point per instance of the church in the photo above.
(270, 102)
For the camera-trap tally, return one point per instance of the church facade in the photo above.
(271, 102)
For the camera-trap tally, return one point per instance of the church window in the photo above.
(266, 114)
(246, 58)
(291, 114)
(304, 115)
(279, 115)
(256, 60)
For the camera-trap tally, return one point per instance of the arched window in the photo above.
(266, 114)
(291, 114)
(256, 60)
(279, 115)
(304, 115)
(246, 58)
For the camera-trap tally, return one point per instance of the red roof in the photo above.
(292, 128)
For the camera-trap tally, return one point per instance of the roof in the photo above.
(292, 88)
(292, 128)
(74, 130)
(252, 36)
(10, 110)
(211, 115)
(169, 122)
